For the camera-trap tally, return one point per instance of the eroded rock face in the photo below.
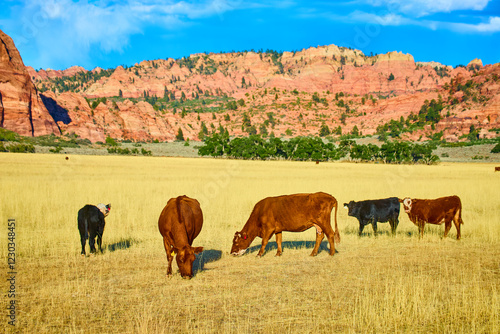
(22, 109)
(375, 90)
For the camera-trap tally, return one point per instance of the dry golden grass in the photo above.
(383, 284)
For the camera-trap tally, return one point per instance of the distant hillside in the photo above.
(330, 89)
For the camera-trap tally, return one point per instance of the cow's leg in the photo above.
(394, 225)
(265, 239)
(457, 220)
(374, 225)
(447, 227)
(278, 241)
(421, 227)
(83, 240)
(361, 227)
(170, 257)
(457, 225)
(99, 242)
(92, 241)
(319, 238)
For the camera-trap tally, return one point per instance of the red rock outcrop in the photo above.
(21, 107)
(329, 85)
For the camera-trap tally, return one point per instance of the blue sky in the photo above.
(60, 33)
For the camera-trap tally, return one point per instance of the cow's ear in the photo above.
(345, 205)
(400, 200)
(197, 250)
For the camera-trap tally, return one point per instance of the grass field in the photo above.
(372, 285)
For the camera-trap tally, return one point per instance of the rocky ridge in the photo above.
(287, 94)
(21, 107)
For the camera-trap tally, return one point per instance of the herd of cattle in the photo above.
(181, 221)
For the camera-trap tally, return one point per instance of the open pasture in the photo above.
(375, 285)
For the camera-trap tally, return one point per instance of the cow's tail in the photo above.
(178, 207)
(337, 233)
(459, 213)
(86, 228)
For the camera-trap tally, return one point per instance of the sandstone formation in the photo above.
(21, 107)
(288, 94)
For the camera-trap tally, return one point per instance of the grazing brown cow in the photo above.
(497, 169)
(180, 223)
(292, 213)
(434, 211)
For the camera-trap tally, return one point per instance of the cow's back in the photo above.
(193, 217)
(437, 209)
(181, 215)
(91, 213)
(292, 212)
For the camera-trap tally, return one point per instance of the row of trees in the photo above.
(315, 149)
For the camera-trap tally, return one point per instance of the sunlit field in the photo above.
(372, 285)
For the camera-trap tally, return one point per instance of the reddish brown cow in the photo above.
(497, 169)
(293, 213)
(180, 223)
(434, 211)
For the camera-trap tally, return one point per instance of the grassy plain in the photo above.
(372, 285)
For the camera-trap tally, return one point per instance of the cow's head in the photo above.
(185, 258)
(351, 208)
(240, 243)
(407, 203)
(104, 208)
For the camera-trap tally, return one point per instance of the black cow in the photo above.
(91, 224)
(375, 211)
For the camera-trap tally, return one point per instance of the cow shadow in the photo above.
(207, 256)
(291, 245)
(122, 244)
(368, 232)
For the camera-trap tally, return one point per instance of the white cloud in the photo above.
(427, 7)
(386, 19)
(65, 31)
(492, 26)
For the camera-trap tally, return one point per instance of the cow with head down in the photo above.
(180, 223)
(292, 213)
(91, 224)
(434, 211)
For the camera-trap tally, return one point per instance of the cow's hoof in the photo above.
(278, 254)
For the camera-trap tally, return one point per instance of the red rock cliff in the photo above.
(21, 108)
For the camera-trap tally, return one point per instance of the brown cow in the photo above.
(180, 223)
(434, 211)
(293, 213)
(497, 169)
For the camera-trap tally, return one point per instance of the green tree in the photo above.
(355, 131)
(324, 130)
(496, 149)
(180, 135)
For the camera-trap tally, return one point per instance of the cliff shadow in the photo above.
(58, 113)
(207, 256)
(272, 245)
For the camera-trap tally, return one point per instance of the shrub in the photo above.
(21, 148)
(110, 141)
(145, 152)
(496, 149)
